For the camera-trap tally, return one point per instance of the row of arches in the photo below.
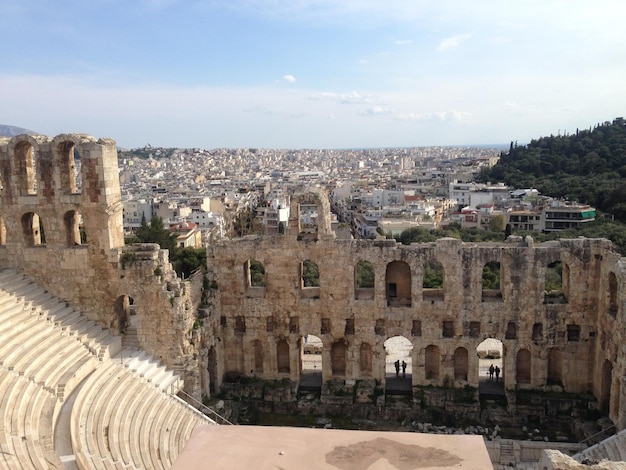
(398, 280)
(34, 232)
(33, 171)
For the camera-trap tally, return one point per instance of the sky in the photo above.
(311, 73)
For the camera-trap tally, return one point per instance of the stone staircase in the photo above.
(50, 356)
(612, 448)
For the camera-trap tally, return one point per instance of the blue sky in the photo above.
(311, 73)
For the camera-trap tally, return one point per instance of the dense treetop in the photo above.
(588, 166)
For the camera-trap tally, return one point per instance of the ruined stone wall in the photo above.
(63, 227)
(560, 339)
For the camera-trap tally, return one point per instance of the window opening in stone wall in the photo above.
(511, 331)
(74, 229)
(311, 347)
(538, 332)
(69, 168)
(490, 354)
(294, 325)
(282, 357)
(259, 354)
(364, 280)
(612, 295)
(365, 359)
(398, 284)
(474, 329)
(32, 227)
(270, 324)
(308, 220)
(555, 367)
(223, 322)
(349, 329)
(447, 329)
(461, 364)
(255, 273)
(398, 364)
(379, 327)
(523, 367)
(338, 353)
(26, 164)
(605, 385)
(240, 324)
(325, 327)
(432, 360)
(491, 282)
(573, 333)
(416, 328)
(432, 282)
(553, 284)
(124, 315)
(310, 274)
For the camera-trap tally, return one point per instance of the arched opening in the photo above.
(311, 347)
(461, 364)
(254, 273)
(523, 367)
(338, 352)
(364, 280)
(259, 355)
(511, 331)
(537, 332)
(432, 282)
(398, 282)
(74, 229)
(32, 227)
(27, 168)
(282, 357)
(398, 365)
(555, 367)
(491, 282)
(605, 387)
(310, 274)
(69, 167)
(365, 359)
(308, 218)
(212, 369)
(490, 367)
(613, 288)
(432, 360)
(553, 284)
(124, 314)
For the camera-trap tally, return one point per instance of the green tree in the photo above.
(310, 274)
(364, 274)
(497, 223)
(257, 273)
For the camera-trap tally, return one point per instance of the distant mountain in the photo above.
(10, 131)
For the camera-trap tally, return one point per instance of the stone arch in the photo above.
(537, 332)
(398, 284)
(32, 228)
(314, 197)
(338, 353)
(74, 230)
(254, 272)
(461, 363)
(491, 352)
(433, 277)
(67, 159)
(491, 274)
(553, 283)
(511, 330)
(365, 359)
(311, 360)
(310, 274)
(432, 362)
(25, 161)
(259, 354)
(605, 385)
(123, 311)
(612, 294)
(364, 280)
(283, 364)
(523, 367)
(555, 367)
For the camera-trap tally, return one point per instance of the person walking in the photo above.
(403, 369)
(497, 370)
(491, 371)
(397, 365)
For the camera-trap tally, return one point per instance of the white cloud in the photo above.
(289, 78)
(376, 111)
(403, 42)
(453, 42)
(346, 98)
(440, 116)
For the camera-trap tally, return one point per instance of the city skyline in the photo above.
(311, 73)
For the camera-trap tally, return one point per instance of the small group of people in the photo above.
(494, 370)
(397, 365)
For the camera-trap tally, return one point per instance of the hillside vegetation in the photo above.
(588, 166)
